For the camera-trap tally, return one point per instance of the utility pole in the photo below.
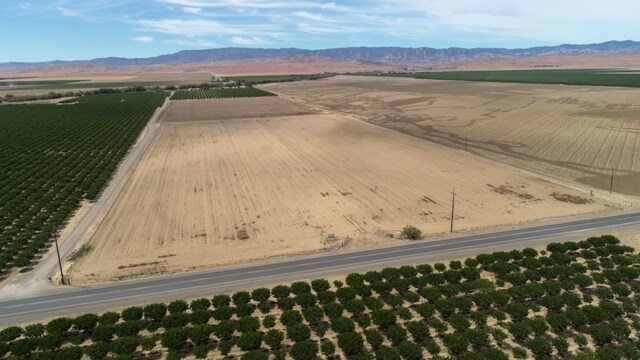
(55, 238)
(453, 204)
(611, 183)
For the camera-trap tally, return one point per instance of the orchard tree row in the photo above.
(55, 156)
(572, 301)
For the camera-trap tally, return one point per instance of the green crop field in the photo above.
(262, 79)
(590, 77)
(571, 301)
(219, 94)
(54, 156)
(38, 82)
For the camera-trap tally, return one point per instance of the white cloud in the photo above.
(68, 12)
(192, 10)
(195, 27)
(143, 39)
(254, 40)
(193, 43)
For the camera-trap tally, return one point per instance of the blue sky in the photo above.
(41, 30)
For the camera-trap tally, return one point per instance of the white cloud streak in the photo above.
(143, 39)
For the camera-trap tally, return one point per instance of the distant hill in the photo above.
(382, 55)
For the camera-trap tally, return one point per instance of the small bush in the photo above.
(411, 232)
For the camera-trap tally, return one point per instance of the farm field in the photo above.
(573, 300)
(221, 191)
(233, 108)
(54, 157)
(219, 94)
(590, 77)
(573, 133)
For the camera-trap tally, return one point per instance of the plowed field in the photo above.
(224, 191)
(575, 133)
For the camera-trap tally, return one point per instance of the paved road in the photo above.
(184, 284)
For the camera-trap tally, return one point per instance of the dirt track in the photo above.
(225, 191)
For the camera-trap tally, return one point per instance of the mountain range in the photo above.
(382, 55)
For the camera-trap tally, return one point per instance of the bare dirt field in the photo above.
(217, 192)
(575, 133)
(221, 109)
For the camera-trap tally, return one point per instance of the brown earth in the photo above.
(217, 192)
(203, 70)
(573, 133)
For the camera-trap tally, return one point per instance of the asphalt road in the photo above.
(184, 284)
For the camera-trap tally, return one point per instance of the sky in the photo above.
(44, 30)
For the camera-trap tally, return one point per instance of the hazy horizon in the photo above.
(77, 30)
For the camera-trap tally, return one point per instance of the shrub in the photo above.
(70, 353)
(269, 321)
(221, 300)
(273, 338)
(351, 343)
(519, 330)
(286, 303)
(342, 324)
(290, 317)
(179, 319)
(254, 355)
(319, 285)
(387, 353)
(34, 330)
(304, 350)
(478, 339)
(133, 313)
(97, 350)
(225, 347)
(127, 345)
(199, 316)
(456, 343)
(247, 324)
(327, 348)
(177, 306)
(59, 325)
(200, 304)
(224, 330)
(241, 297)
(300, 287)
(396, 334)
(155, 312)
(298, 332)
(243, 310)
(419, 331)
(383, 318)
(432, 347)
(520, 353)
(601, 334)
(250, 341)
(540, 347)
(374, 338)
(127, 328)
(411, 232)
(306, 300)
(11, 333)
(561, 345)
(174, 339)
(199, 334)
(410, 351)
(222, 313)
(333, 310)
(260, 294)
(102, 333)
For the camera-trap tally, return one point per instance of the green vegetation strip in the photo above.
(263, 79)
(54, 156)
(572, 301)
(219, 93)
(590, 77)
(39, 82)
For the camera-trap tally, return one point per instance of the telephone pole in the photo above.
(55, 238)
(453, 205)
